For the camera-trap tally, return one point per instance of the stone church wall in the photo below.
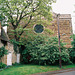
(65, 27)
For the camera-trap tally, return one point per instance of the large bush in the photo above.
(72, 50)
(43, 50)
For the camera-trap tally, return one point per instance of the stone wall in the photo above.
(9, 59)
(65, 27)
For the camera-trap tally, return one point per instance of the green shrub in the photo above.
(2, 65)
(72, 50)
(25, 56)
(3, 52)
(43, 50)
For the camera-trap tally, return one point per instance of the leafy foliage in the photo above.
(72, 50)
(16, 45)
(3, 52)
(2, 65)
(44, 50)
(1, 17)
(17, 10)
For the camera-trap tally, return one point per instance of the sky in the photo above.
(65, 7)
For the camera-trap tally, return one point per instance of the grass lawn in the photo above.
(31, 69)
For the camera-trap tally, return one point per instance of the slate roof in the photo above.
(4, 35)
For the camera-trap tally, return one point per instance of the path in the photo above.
(60, 72)
(66, 73)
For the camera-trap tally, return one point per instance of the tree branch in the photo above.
(22, 14)
(17, 14)
(12, 22)
(26, 25)
(28, 21)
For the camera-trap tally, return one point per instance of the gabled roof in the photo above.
(4, 35)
